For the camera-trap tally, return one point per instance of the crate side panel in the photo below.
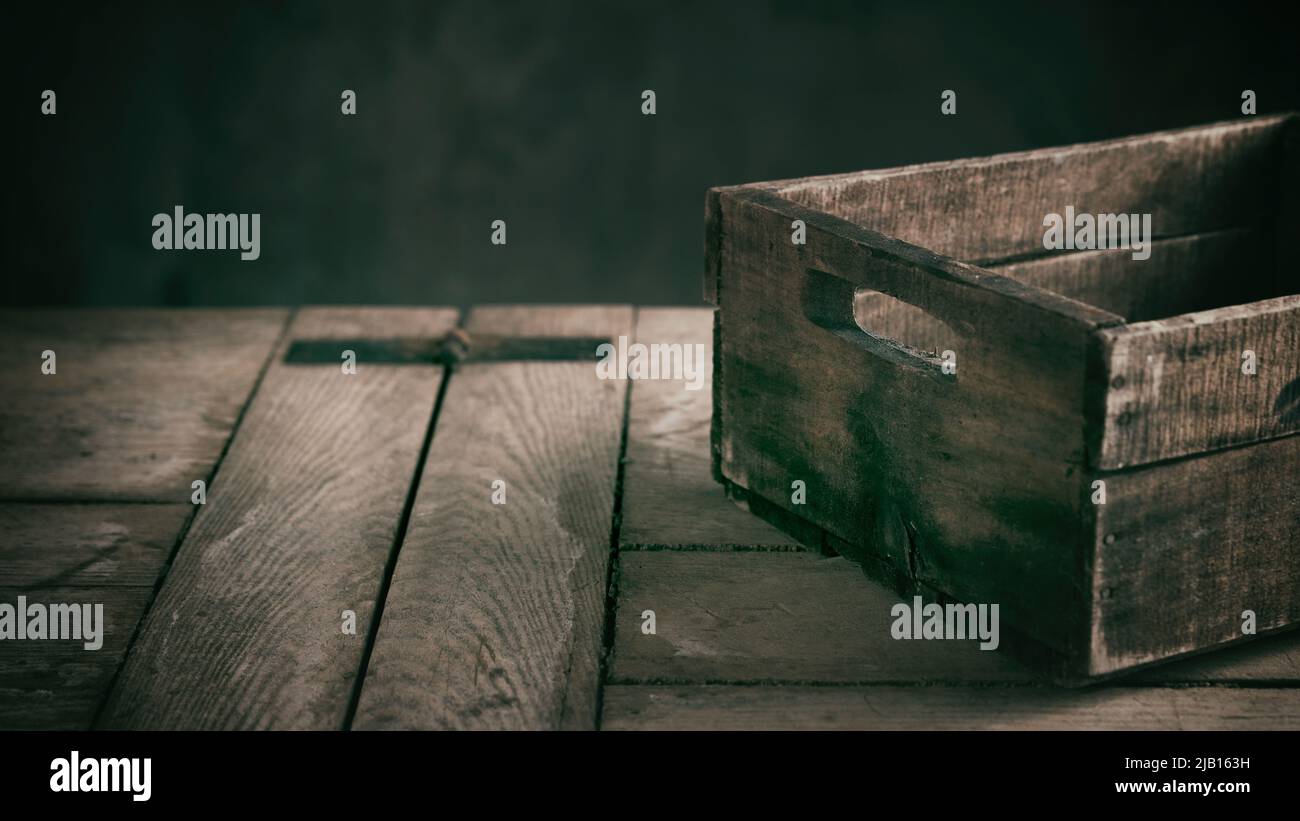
(1184, 548)
(972, 485)
(1183, 274)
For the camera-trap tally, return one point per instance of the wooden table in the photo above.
(373, 493)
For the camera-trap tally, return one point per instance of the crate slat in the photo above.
(1184, 274)
(1157, 591)
(1176, 386)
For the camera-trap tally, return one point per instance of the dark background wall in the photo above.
(530, 112)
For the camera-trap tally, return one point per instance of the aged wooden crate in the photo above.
(1072, 368)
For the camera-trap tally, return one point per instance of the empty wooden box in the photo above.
(1113, 460)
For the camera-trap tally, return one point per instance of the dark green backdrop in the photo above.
(530, 112)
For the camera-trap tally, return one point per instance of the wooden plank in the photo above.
(298, 527)
(58, 685)
(763, 618)
(141, 405)
(991, 208)
(670, 498)
(76, 554)
(1176, 387)
(86, 545)
(1183, 548)
(495, 614)
(949, 708)
(898, 458)
(1268, 660)
(1183, 274)
(769, 617)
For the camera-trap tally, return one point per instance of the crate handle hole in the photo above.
(878, 323)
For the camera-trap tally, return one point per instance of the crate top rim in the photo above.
(797, 184)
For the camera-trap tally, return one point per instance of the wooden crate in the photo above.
(1072, 368)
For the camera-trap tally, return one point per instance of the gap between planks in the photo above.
(244, 632)
(403, 525)
(496, 615)
(611, 576)
(105, 498)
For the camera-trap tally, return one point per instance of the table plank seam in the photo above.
(399, 538)
(54, 500)
(616, 527)
(682, 681)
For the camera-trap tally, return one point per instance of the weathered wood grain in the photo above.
(757, 618)
(58, 685)
(1183, 275)
(949, 708)
(86, 545)
(76, 554)
(142, 403)
(298, 527)
(1272, 660)
(1183, 548)
(669, 496)
(1176, 387)
(783, 618)
(992, 208)
(495, 614)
